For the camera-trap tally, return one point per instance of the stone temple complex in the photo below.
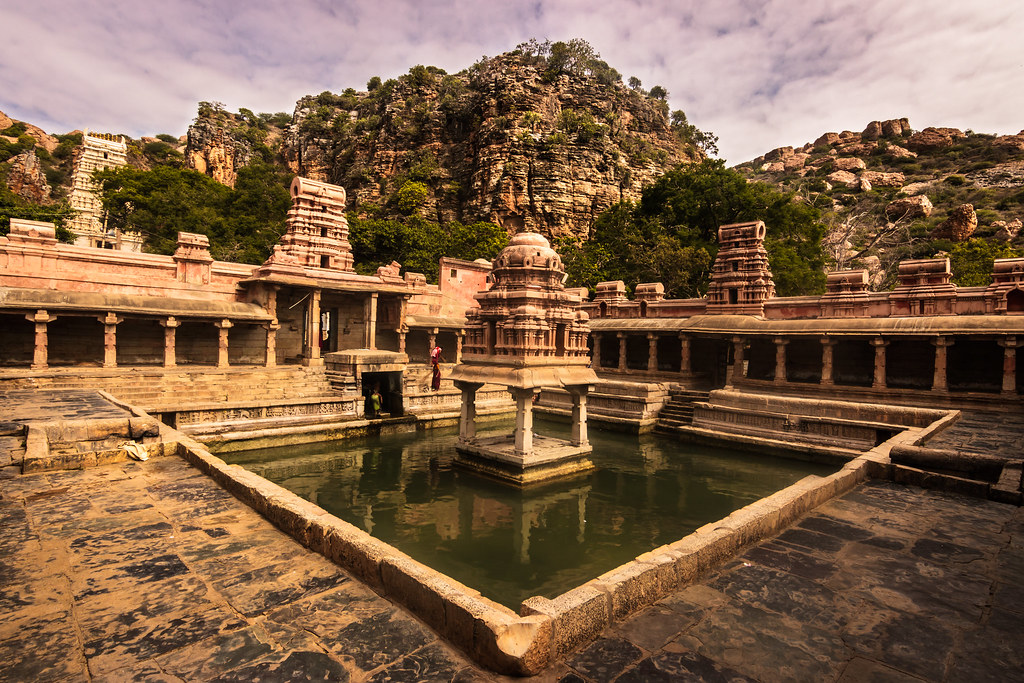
(912, 395)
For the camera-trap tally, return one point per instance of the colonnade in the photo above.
(42, 320)
(877, 375)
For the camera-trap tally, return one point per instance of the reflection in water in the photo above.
(510, 544)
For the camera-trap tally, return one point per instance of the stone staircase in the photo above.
(678, 412)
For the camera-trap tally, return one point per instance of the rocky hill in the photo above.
(521, 139)
(892, 193)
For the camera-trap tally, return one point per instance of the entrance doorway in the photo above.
(389, 384)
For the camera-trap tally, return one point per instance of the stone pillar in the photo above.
(460, 338)
(596, 358)
(272, 327)
(402, 331)
(524, 421)
(684, 354)
(432, 341)
(110, 322)
(879, 380)
(579, 415)
(467, 418)
(827, 345)
(1009, 365)
(39, 354)
(312, 350)
(370, 316)
(780, 359)
(222, 342)
(170, 325)
(939, 380)
(622, 350)
(652, 352)
(736, 369)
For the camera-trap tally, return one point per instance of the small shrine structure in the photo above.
(528, 334)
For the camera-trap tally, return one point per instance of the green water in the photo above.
(511, 544)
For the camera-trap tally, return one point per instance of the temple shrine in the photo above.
(527, 335)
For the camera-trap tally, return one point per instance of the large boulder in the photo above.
(960, 225)
(827, 139)
(844, 178)
(897, 152)
(1007, 230)
(879, 179)
(918, 206)
(934, 138)
(779, 154)
(885, 129)
(849, 164)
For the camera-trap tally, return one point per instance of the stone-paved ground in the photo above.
(997, 434)
(884, 584)
(150, 572)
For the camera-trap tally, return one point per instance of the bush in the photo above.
(956, 180)
(169, 139)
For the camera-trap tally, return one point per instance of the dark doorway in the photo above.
(389, 384)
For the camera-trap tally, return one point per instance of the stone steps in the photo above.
(678, 412)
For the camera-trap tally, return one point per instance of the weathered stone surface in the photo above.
(827, 139)
(1007, 230)
(934, 138)
(844, 178)
(918, 206)
(773, 167)
(848, 164)
(897, 152)
(779, 154)
(26, 179)
(960, 225)
(879, 179)
(885, 129)
(213, 150)
(1012, 143)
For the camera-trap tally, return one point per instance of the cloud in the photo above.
(760, 74)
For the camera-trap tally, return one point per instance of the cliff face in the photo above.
(500, 142)
(213, 146)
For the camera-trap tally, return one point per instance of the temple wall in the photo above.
(140, 342)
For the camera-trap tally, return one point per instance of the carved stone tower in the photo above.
(740, 279)
(317, 234)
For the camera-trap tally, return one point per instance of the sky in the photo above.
(760, 74)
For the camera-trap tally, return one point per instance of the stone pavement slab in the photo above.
(148, 571)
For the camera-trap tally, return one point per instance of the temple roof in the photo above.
(746, 324)
(92, 302)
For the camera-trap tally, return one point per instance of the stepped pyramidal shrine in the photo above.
(164, 418)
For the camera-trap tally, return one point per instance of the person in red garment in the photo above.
(435, 360)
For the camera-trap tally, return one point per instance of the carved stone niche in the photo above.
(846, 294)
(193, 258)
(741, 280)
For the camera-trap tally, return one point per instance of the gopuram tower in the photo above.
(527, 334)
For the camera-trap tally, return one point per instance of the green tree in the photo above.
(670, 235)
(13, 206)
(972, 261)
(242, 223)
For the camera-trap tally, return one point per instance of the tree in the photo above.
(242, 223)
(13, 206)
(659, 93)
(670, 235)
(419, 244)
(972, 261)
(634, 83)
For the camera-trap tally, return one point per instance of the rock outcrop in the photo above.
(880, 179)
(212, 148)
(502, 142)
(1007, 230)
(918, 206)
(26, 179)
(934, 138)
(960, 225)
